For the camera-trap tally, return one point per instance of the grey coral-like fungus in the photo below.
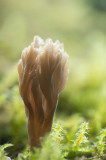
(43, 72)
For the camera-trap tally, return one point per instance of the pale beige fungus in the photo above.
(43, 72)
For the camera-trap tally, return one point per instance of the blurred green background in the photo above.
(81, 26)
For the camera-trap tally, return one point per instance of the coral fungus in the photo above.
(43, 72)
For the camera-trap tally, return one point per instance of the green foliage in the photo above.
(24, 155)
(101, 143)
(55, 146)
(52, 146)
(81, 137)
(3, 153)
(14, 125)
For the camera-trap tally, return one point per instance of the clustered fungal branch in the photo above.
(43, 72)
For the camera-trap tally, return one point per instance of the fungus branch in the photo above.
(43, 72)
